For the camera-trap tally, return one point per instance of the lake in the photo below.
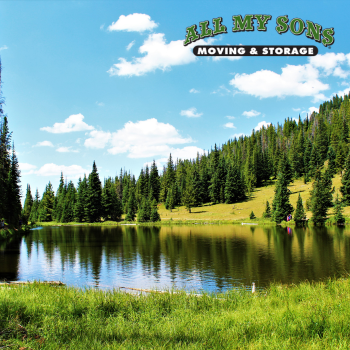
(197, 257)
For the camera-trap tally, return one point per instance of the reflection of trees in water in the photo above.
(9, 259)
(241, 255)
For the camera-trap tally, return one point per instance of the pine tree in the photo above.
(154, 212)
(154, 183)
(299, 215)
(345, 183)
(281, 206)
(331, 161)
(69, 203)
(94, 195)
(234, 186)
(321, 196)
(28, 203)
(144, 213)
(252, 216)
(79, 214)
(60, 199)
(14, 206)
(45, 209)
(189, 197)
(267, 212)
(131, 207)
(338, 211)
(111, 204)
(33, 217)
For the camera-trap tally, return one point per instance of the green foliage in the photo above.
(345, 183)
(252, 215)
(338, 211)
(321, 197)
(45, 209)
(299, 214)
(94, 195)
(28, 203)
(112, 209)
(131, 207)
(281, 206)
(267, 213)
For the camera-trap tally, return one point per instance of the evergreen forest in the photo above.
(315, 149)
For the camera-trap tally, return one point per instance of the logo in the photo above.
(296, 26)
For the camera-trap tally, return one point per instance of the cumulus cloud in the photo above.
(98, 139)
(65, 150)
(130, 45)
(311, 110)
(229, 125)
(158, 55)
(191, 113)
(302, 80)
(237, 136)
(189, 152)
(136, 22)
(44, 144)
(230, 58)
(194, 91)
(330, 63)
(261, 124)
(51, 169)
(146, 138)
(72, 123)
(250, 114)
(26, 168)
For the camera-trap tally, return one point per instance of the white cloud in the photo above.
(230, 58)
(26, 167)
(230, 117)
(330, 63)
(77, 140)
(222, 90)
(194, 91)
(98, 139)
(261, 124)
(237, 136)
(130, 45)
(189, 152)
(296, 109)
(65, 150)
(3, 48)
(299, 80)
(191, 113)
(44, 144)
(146, 138)
(340, 93)
(51, 169)
(137, 22)
(72, 123)
(310, 110)
(229, 125)
(158, 55)
(250, 114)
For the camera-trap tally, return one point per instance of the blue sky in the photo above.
(113, 82)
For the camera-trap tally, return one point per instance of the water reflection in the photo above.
(209, 257)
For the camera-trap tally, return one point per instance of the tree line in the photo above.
(10, 186)
(228, 173)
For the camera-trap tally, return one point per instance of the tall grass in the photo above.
(307, 316)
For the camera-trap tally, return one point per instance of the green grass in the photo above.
(307, 316)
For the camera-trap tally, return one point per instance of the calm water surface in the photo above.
(203, 257)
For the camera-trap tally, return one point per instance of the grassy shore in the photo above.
(233, 213)
(307, 316)
(8, 233)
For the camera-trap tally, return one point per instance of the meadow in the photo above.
(307, 316)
